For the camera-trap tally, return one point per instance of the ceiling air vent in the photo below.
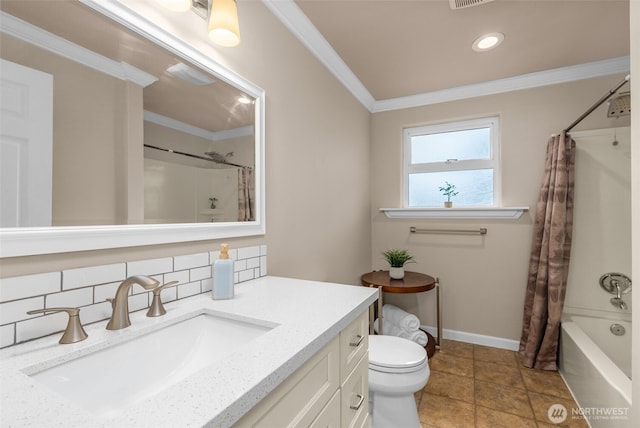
(461, 4)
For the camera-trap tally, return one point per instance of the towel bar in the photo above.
(481, 231)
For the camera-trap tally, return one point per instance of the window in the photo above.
(463, 153)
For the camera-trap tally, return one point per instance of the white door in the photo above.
(26, 146)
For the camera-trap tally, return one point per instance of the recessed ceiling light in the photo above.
(487, 42)
(244, 100)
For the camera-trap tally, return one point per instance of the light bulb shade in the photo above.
(176, 5)
(224, 28)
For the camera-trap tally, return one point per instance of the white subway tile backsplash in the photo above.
(17, 310)
(248, 252)
(89, 287)
(102, 292)
(21, 287)
(263, 265)
(245, 275)
(83, 277)
(150, 267)
(190, 261)
(253, 262)
(93, 313)
(182, 277)
(190, 289)
(73, 298)
(169, 294)
(239, 265)
(41, 326)
(138, 302)
(200, 273)
(207, 285)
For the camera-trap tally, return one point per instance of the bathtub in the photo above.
(596, 366)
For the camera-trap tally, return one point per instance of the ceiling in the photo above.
(400, 48)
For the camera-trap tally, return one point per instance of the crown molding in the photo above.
(297, 22)
(168, 122)
(26, 32)
(516, 83)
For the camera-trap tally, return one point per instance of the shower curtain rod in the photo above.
(597, 104)
(194, 156)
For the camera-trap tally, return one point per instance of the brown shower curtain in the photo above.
(549, 262)
(246, 195)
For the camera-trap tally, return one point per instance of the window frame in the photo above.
(492, 122)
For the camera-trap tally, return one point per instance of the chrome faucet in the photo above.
(120, 317)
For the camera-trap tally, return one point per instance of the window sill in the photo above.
(456, 213)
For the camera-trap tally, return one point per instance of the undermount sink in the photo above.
(109, 380)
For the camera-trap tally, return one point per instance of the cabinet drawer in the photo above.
(330, 415)
(354, 343)
(355, 395)
(299, 399)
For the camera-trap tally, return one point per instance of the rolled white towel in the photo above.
(420, 337)
(394, 315)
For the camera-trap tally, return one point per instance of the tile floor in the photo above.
(474, 386)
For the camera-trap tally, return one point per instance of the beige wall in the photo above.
(87, 175)
(483, 278)
(317, 160)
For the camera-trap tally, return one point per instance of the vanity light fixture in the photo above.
(244, 100)
(224, 28)
(487, 42)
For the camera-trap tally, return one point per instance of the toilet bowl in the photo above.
(397, 369)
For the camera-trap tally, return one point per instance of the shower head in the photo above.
(620, 105)
(217, 157)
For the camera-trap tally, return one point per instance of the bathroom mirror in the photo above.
(164, 149)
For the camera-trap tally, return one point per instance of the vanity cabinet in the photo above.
(329, 390)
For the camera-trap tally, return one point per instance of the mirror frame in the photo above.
(46, 240)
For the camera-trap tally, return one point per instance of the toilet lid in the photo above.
(395, 354)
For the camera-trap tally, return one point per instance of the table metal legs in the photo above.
(438, 314)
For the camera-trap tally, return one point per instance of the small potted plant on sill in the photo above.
(397, 259)
(449, 190)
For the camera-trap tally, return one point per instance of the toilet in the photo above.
(397, 369)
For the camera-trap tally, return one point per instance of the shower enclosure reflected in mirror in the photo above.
(143, 130)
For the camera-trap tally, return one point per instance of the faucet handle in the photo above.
(74, 331)
(157, 308)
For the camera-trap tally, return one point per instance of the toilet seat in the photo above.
(391, 354)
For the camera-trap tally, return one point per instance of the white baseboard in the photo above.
(478, 339)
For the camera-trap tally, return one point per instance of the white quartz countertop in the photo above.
(306, 316)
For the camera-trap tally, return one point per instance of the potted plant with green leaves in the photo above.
(397, 259)
(448, 190)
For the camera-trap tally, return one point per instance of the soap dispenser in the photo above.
(223, 275)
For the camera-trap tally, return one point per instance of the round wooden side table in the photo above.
(413, 282)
